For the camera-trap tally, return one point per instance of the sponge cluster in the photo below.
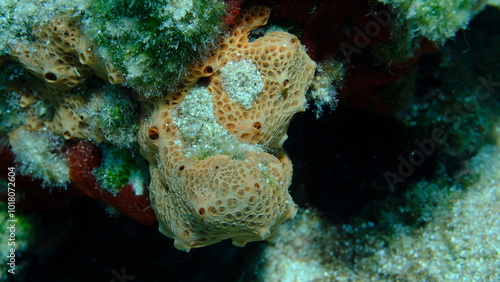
(214, 144)
(64, 60)
(62, 56)
(241, 192)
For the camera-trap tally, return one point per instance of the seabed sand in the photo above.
(460, 242)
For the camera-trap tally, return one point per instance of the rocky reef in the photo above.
(217, 168)
(185, 116)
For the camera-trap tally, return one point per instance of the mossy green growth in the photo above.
(410, 21)
(436, 20)
(402, 43)
(152, 42)
(113, 112)
(121, 167)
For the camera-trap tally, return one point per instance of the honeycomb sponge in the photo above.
(49, 108)
(237, 187)
(62, 56)
(218, 198)
(68, 121)
(284, 67)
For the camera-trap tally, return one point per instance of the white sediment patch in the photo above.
(242, 81)
(202, 135)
